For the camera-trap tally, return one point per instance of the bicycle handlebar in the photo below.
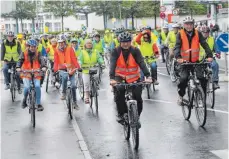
(131, 84)
(30, 71)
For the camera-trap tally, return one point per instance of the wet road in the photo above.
(164, 133)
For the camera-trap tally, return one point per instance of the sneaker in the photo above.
(216, 85)
(156, 82)
(76, 106)
(180, 101)
(7, 86)
(40, 107)
(24, 104)
(63, 97)
(19, 91)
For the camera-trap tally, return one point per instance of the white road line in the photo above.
(220, 111)
(161, 67)
(161, 101)
(223, 154)
(162, 74)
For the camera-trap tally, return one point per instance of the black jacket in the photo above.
(13, 43)
(136, 54)
(31, 57)
(202, 42)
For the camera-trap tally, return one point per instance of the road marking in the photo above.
(224, 42)
(161, 67)
(161, 101)
(223, 154)
(163, 74)
(220, 111)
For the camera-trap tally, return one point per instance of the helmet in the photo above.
(53, 40)
(10, 33)
(107, 31)
(188, 20)
(147, 28)
(61, 38)
(19, 36)
(36, 38)
(175, 26)
(74, 40)
(165, 27)
(96, 34)
(143, 28)
(32, 42)
(205, 29)
(124, 37)
(119, 30)
(45, 34)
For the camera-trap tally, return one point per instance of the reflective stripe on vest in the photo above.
(64, 58)
(187, 53)
(11, 53)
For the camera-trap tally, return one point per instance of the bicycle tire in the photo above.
(91, 95)
(81, 86)
(12, 87)
(154, 89)
(126, 127)
(210, 92)
(199, 95)
(100, 75)
(69, 102)
(96, 99)
(172, 73)
(133, 113)
(47, 80)
(15, 89)
(186, 109)
(167, 63)
(33, 108)
(148, 90)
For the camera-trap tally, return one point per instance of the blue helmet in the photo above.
(32, 42)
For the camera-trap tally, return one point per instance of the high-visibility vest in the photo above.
(51, 53)
(129, 70)
(193, 55)
(77, 52)
(171, 39)
(27, 65)
(39, 48)
(163, 37)
(64, 59)
(146, 49)
(210, 41)
(98, 46)
(89, 61)
(45, 44)
(117, 44)
(23, 45)
(11, 53)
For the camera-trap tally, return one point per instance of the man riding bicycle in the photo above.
(163, 37)
(98, 44)
(66, 61)
(187, 49)
(75, 46)
(10, 52)
(126, 62)
(31, 60)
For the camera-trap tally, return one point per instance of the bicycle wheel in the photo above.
(167, 63)
(186, 108)
(33, 108)
(148, 86)
(172, 73)
(47, 80)
(81, 86)
(69, 102)
(210, 93)
(200, 106)
(133, 114)
(126, 127)
(91, 95)
(100, 75)
(12, 86)
(96, 99)
(154, 89)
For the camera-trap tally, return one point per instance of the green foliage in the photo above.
(191, 7)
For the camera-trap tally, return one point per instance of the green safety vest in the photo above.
(88, 61)
(147, 50)
(45, 44)
(210, 41)
(171, 39)
(82, 43)
(39, 49)
(163, 37)
(11, 53)
(98, 46)
(117, 44)
(78, 52)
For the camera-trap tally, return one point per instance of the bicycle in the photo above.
(174, 69)
(80, 84)
(131, 118)
(195, 94)
(31, 100)
(148, 65)
(13, 80)
(210, 91)
(167, 59)
(48, 72)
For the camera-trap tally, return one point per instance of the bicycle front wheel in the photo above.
(96, 99)
(12, 85)
(126, 127)
(210, 93)
(186, 108)
(133, 114)
(148, 86)
(167, 63)
(80, 86)
(68, 102)
(47, 80)
(33, 108)
(200, 106)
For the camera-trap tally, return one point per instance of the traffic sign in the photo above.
(175, 11)
(162, 15)
(222, 42)
(162, 9)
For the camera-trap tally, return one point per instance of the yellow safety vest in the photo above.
(171, 39)
(210, 41)
(23, 46)
(46, 45)
(78, 52)
(153, 38)
(11, 53)
(163, 37)
(51, 53)
(88, 61)
(146, 49)
(98, 46)
(39, 49)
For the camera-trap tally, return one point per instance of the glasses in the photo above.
(145, 37)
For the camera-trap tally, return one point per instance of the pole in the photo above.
(226, 64)
(155, 16)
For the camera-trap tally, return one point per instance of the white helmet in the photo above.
(61, 38)
(165, 27)
(175, 25)
(188, 20)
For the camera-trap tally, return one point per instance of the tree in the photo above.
(59, 8)
(191, 7)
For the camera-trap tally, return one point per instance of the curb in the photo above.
(223, 78)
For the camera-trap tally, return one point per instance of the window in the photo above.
(57, 26)
(7, 27)
(50, 27)
(48, 17)
(24, 26)
(81, 17)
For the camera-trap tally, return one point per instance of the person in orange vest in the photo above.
(31, 60)
(187, 48)
(126, 62)
(66, 61)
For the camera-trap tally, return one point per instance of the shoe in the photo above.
(75, 106)
(24, 104)
(139, 124)
(19, 91)
(40, 107)
(120, 119)
(180, 101)
(156, 82)
(216, 85)
(7, 86)
(57, 84)
(63, 97)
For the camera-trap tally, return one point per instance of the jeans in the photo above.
(215, 71)
(162, 52)
(64, 78)
(153, 71)
(37, 84)
(7, 75)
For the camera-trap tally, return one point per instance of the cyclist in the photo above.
(214, 65)
(108, 39)
(98, 44)
(10, 52)
(171, 39)
(82, 39)
(120, 71)
(66, 61)
(149, 48)
(45, 41)
(31, 60)
(41, 49)
(88, 58)
(115, 40)
(163, 37)
(75, 46)
(187, 49)
(22, 42)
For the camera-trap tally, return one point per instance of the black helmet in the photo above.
(205, 29)
(10, 33)
(124, 37)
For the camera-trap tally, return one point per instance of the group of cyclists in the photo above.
(125, 54)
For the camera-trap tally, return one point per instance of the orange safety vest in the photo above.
(127, 70)
(64, 58)
(193, 55)
(27, 66)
